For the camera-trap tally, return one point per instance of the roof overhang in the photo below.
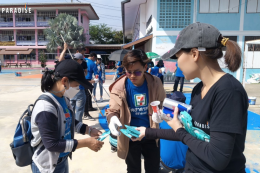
(92, 15)
(130, 10)
(13, 51)
(138, 42)
(104, 46)
(253, 42)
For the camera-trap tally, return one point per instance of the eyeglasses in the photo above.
(136, 73)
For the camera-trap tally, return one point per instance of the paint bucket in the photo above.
(18, 74)
(251, 100)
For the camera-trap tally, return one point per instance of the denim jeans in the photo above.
(100, 88)
(62, 167)
(78, 104)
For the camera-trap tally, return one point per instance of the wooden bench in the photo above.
(25, 64)
(12, 64)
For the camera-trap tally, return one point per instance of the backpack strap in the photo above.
(29, 111)
(45, 98)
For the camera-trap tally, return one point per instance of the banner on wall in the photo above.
(7, 43)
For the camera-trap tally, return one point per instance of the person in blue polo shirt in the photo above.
(178, 76)
(120, 69)
(92, 69)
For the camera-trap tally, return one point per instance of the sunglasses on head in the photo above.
(136, 73)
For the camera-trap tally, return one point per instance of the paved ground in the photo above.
(17, 93)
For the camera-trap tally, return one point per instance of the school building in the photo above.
(21, 31)
(153, 25)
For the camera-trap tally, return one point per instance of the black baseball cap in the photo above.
(72, 70)
(199, 35)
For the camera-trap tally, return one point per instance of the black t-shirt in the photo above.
(223, 109)
(84, 65)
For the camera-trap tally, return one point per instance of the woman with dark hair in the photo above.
(53, 129)
(129, 105)
(219, 103)
(160, 64)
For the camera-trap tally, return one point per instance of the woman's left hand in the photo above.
(142, 134)
(175, 123)
(95, 133)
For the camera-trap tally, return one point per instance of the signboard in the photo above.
(25, 43)
(19, 24)
(42, 24)
(7, 43)
(6, 24)
(42, 43)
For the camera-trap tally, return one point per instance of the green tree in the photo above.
(42, 58)
(102, 34)
(67, 26)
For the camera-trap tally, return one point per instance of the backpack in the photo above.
(21, 145)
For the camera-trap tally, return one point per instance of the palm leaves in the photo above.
(67, 26)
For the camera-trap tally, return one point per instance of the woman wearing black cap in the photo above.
(53, 129)
(219, 102)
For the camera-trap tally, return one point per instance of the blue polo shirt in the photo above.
(138, 100)
(92, 68)
(178, 72)
(155, 71)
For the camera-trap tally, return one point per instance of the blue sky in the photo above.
(109, 11)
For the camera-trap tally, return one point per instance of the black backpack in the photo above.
(21, 144)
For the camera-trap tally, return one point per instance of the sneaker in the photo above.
(89, 117)
(95, 99)
(101, 100)
(92, 109)
(113, 149)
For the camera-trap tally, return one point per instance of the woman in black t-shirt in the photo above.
(219, 103)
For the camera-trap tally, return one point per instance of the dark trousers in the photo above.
(151, 155)
(0, 68)
(161, 77)
(176, 83)
(88, 100)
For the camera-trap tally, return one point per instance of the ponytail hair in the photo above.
(48, 80)
(232, 56)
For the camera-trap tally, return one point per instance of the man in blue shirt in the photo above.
(120, 69)
(92, 69)
(178, 76)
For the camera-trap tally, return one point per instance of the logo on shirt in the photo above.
(67, 114)
(140, 100)
(202, 126)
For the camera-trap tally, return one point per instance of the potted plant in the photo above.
(42, 58)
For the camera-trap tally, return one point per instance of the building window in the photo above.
(45, 16)
(253, 6)
(6, 36)
(9, 57)
(25, 35)
(72, 13)
(252, 47)
(6, 17)
(23, 17)
(175, 13)
(219, 6)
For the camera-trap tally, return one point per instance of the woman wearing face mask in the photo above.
(219, 103)
(129, 105)
(53, 129)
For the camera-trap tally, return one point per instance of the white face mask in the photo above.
(71, 92)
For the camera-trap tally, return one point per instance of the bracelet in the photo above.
(89, 130)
